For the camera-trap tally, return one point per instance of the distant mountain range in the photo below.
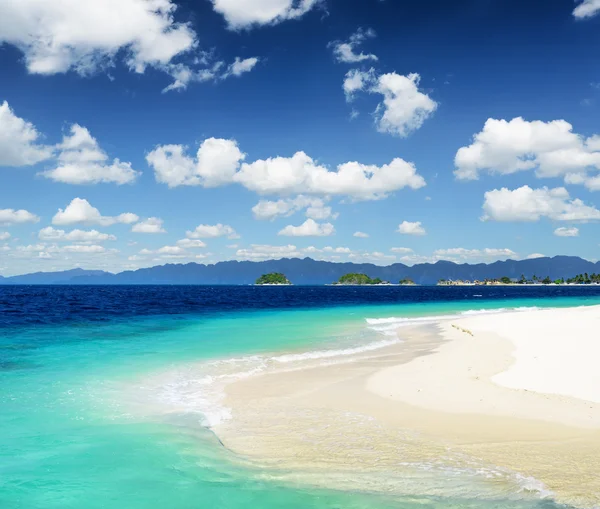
(309, 272)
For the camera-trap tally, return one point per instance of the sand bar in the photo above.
(513, 398)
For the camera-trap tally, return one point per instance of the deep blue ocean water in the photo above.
(71, 436)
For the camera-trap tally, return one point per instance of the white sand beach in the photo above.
(512, 397)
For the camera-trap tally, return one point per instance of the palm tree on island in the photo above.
(273, 279)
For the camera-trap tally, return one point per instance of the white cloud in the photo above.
(4, 235)
(345, 51)
(246, 13)
(469, 254)
(19, 139)
(587, 9)
(356, 81)
(375, 257)
(53, 234)
(301, 174)
(404, 107)
(190, 243)
(172, 250)
(239, 66)
(269, 210)
(534, 256)
(216, 163)
(82, 161)
(566, 232)
(267, 252)
(527, 204)
(401, 250)
(310, 228)
(183, 74)
(79, 248)
(552, 149)
(12, 216)
(62, 35)
(150, 225)
(408, 228)
(80, 211)
(361, 235)
(205, 231)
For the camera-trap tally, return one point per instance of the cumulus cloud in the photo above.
(404, 108)
(401, 250)
(567, 232)
(216, 163)
(81, 211)
(53, 234)
(247, 13)
(4, 235)
(310, 228)
(361, 235)
(301, 174)
(527, 204)
(64, 35)
(534, 256)
(587, 9)
(346, 51)
(82, 161)
(205, 231)
(12, 216)
(19, 139)
(150, 225)
(408, 228)
(551, 149)
(268, 252)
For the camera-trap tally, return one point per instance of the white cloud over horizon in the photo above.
(206, 231)
(408, 228)
(310, 228)
(81, 211)
(219, 162)
(529, 205)
(550, 149)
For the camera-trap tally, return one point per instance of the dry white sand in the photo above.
(512, 392)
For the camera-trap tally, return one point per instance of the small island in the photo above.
(580, 279)
(273, 279)
(406, 282)
(354, 279)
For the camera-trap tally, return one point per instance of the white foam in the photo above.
(327, 354)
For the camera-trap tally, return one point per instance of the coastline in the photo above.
(464, 394)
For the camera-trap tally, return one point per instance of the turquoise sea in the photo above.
(106, 397)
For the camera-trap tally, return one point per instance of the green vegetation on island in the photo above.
(275, 278)
(407, 282)
(359, 279)
(580, 279)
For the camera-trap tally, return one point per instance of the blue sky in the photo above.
(464, 130)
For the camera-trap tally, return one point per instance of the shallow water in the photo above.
(86, 422)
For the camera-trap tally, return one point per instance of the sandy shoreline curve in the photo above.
(510, 399)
